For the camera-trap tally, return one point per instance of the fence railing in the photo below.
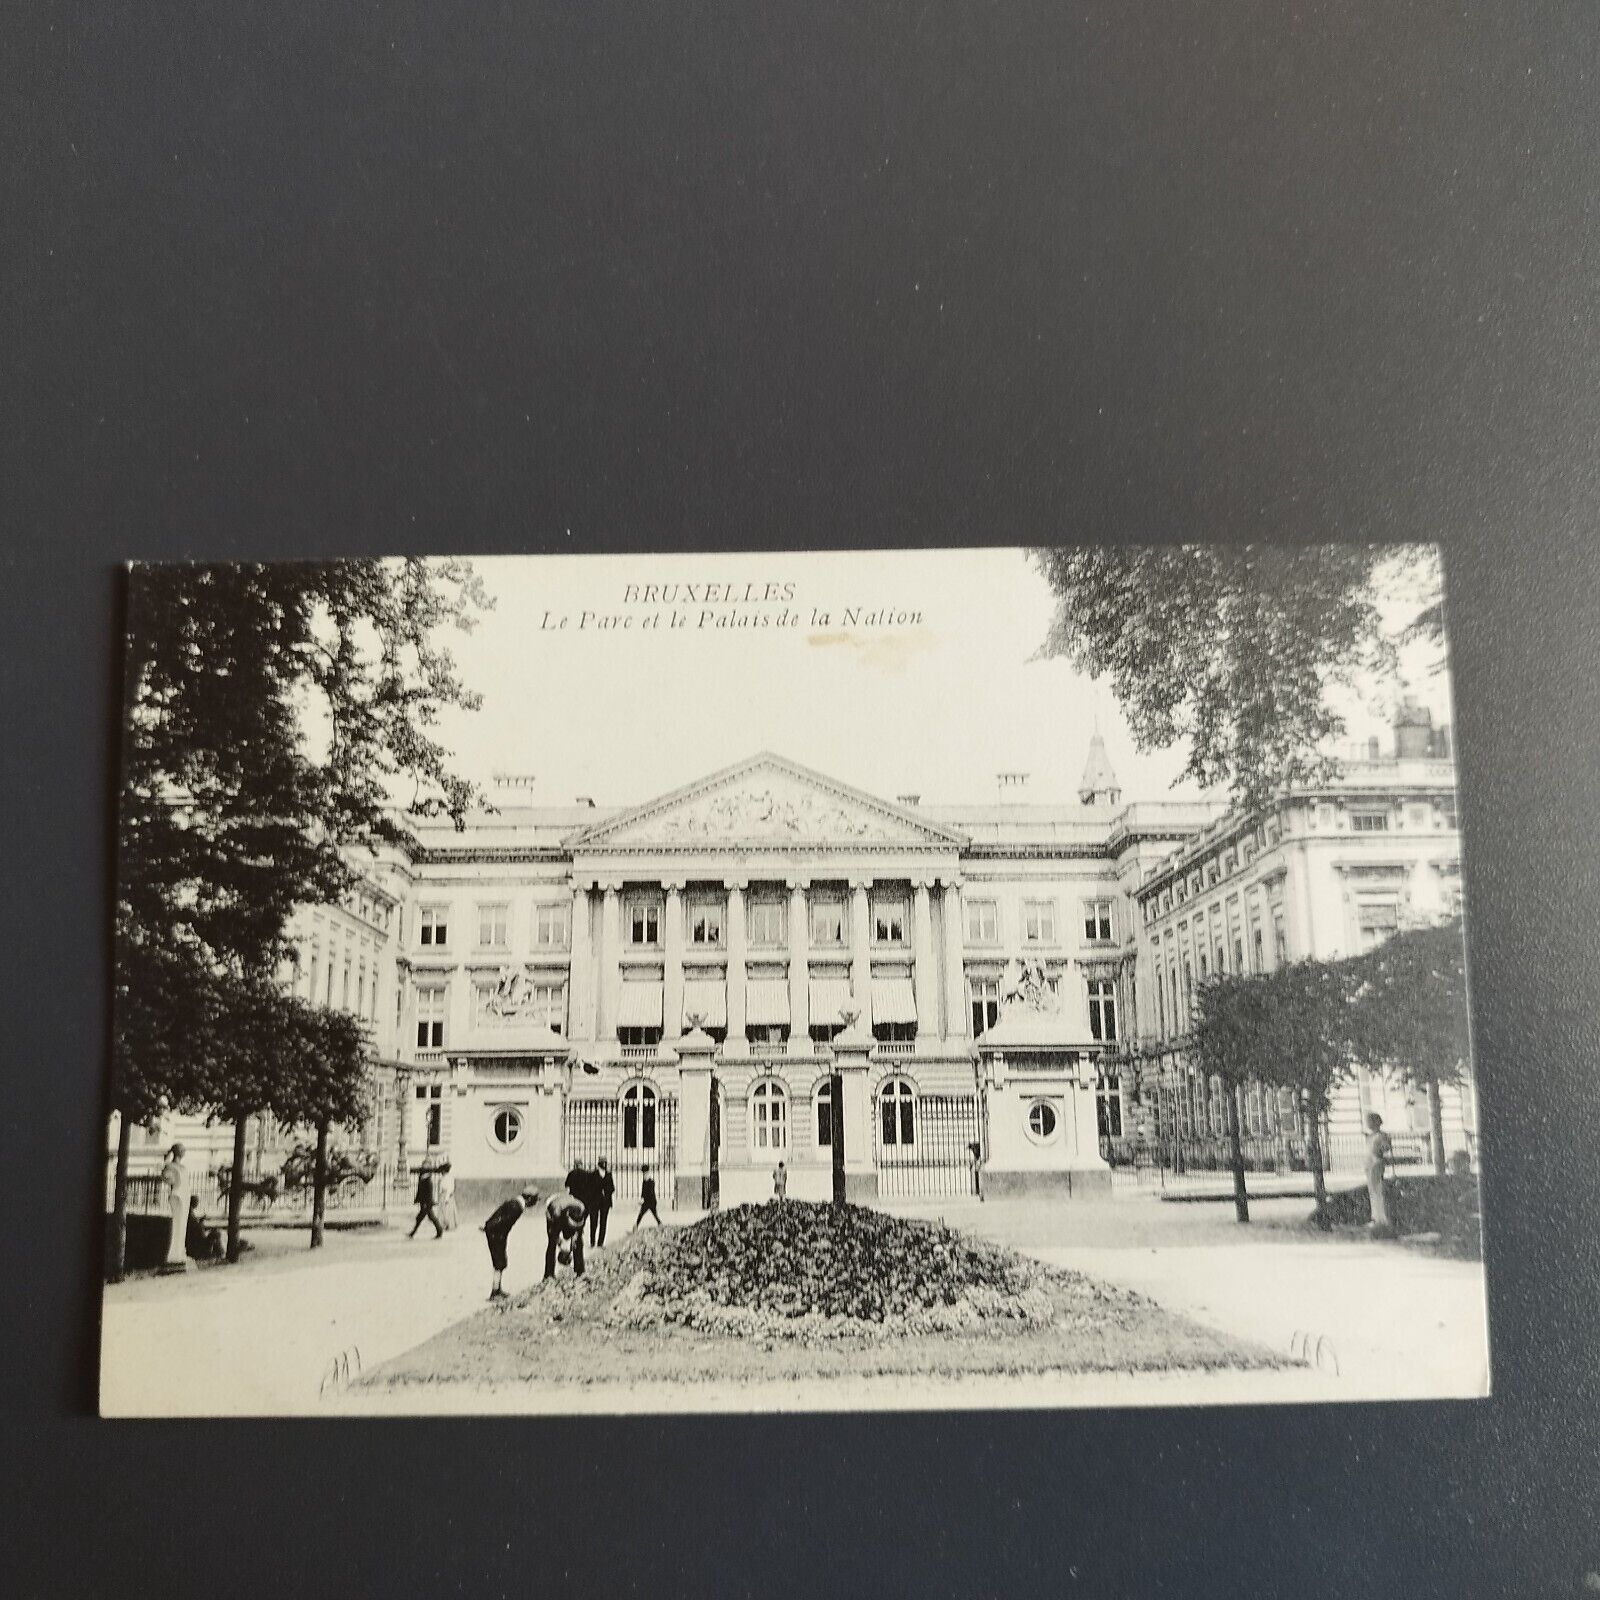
(266, 1196)
(1138, 1162)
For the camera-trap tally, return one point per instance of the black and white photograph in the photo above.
(934, 979)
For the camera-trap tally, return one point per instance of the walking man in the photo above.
(647, 1199)
(496, 1230)
(780, 1182)
(605, 1191)
(563, 1225)
(424, 1199)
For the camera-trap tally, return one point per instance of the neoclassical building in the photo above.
(683, 983)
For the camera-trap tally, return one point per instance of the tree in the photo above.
(1409, 1014)
(1231, 1038)
(1306, 1045)
(326, 1080)
(1239, 649)
(271, 713)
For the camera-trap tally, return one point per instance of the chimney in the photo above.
(909, 799)
(1011, 784)
(584, 800)
(1413, 731)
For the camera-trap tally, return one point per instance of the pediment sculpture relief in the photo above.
(767, 811)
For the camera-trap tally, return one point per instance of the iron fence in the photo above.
(937, 1157)
(1139, 1163)
(595, 1128)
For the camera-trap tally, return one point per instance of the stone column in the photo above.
(672, 966)
(610, 962)
(958, 1020)
(861, 952)
(924, 980)
(737, 1045)
(799, 966)
(580, 969)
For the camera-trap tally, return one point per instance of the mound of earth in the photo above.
(802, 1270)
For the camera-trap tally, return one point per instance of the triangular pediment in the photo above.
(766, 801)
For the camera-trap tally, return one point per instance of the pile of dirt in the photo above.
(799, 1270)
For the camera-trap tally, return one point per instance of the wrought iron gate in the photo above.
(595, 1128)
(937, 1157)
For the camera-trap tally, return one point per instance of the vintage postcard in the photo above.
(911, 978)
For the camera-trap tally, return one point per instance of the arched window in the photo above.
(822, 1099)
(898, 1105)
(638, 1117)
(769, 1120)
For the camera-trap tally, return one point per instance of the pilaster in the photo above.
(923, 978)
(958, 1023)
(672, 935)
(610, 963)
(736, 1045)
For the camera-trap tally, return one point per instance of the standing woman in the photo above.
(1380, 1149)
(175, 1192)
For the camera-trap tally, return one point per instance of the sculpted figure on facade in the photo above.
(1030, 986)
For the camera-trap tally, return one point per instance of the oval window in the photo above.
(1041, 1121)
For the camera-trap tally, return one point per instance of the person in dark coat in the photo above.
(583, 1182)
(202, 1243)
(605, 1191)
(647, 1200)
(563, 1222)
(496, 1230)
(424, 1199)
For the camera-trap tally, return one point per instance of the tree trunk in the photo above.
(1319, 1184)
(236, 1183)
(713, 1196)
(1436, 1125)
(319, 1185)
(836, 1091)
(119, 1202)
(1241, 1200)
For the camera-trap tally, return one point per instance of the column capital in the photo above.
(739, 883)
(798, 883)
(922, 882)
(859, 884)
(950, 880)
(583, 884)
(675, 885)
(609, 886)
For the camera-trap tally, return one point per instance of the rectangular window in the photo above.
(1375, 921)
(889, 922)
(767, 923)
(705, 923)
(1102, 1009)
(983, 922)
(552, 925)
(550, 1005)
(985, 994)
(433, 926)
(644, 923)
(1369, 821)
(1258, 952)
(493, 927)
(1280, 937)
(1039, 921)
(430, 1019)
(1097, 921)
(1108, 1107)
(827, 922)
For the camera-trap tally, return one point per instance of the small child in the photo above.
(501, 1221)
(647, 1200)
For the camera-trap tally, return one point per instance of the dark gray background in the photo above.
(621, 275)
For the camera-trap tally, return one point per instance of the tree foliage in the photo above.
(1409, 1014)
(1239, 651)
(273, 715)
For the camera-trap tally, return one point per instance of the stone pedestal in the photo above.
(694, 1188)
(851, 1062)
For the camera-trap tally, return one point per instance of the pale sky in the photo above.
(937, 708)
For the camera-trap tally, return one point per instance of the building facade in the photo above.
(686, 985)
